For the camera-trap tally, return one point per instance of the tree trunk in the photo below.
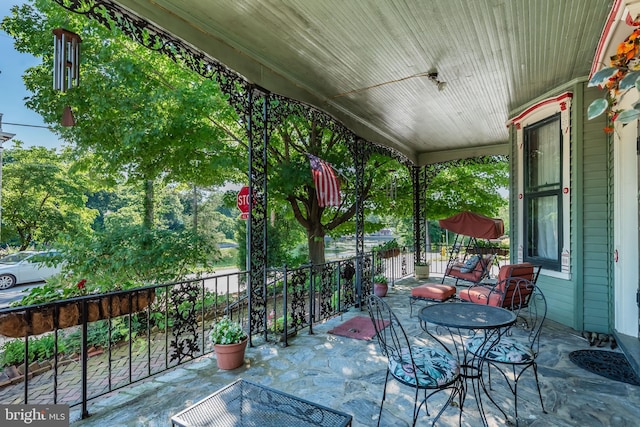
(148, 204)
(316, 245)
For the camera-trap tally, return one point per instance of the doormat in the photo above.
(359, 327)
(609, 364)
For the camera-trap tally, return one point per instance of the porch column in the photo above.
(257, 119)
(359, 161)
(419, 183)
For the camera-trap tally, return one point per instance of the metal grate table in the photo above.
(244, 404)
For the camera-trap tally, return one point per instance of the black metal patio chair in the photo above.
(516, 351)
(430, 369)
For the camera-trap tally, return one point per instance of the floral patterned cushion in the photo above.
(508, 350)
(433, 367)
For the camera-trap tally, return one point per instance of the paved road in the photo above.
(15, 293)
(221, 285)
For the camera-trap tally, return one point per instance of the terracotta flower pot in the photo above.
(380, 289)
(230, 356)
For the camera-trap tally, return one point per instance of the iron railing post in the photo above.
(85, 358)
(285, 308)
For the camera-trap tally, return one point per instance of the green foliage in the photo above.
(278, 324)
(142, 116)
(284, 245)
(389, 244)
(43, 348)
(149, 121)
(125, 254)
(474, 188)
(617, 80)
(50, 291)
(225, 331)
(42, 198)
(379, 278)
(12, 353)
(228, 258)
(123, 258)
(40, 349)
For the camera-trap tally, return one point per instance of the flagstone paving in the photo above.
(348, 375)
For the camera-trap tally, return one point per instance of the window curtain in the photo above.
(545, 218)
(545, 158)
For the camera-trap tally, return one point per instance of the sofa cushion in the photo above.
(481, 295)
(433, 291)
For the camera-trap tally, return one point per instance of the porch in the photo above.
(322, 368)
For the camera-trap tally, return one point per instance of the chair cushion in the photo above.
(481, 295)
(433, 291)
(508, 350)
(522, 271)
(434, 367)
(474, 275)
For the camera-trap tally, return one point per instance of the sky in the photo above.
(12, 93)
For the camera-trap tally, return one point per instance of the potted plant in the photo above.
(422, 270)
(229, 342)
(389, 249)
(380, 285)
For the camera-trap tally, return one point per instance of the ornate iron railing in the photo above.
(113, 340)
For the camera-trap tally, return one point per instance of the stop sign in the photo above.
(243, 202)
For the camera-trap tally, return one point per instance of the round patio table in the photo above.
(464, 321)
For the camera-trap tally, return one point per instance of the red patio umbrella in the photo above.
(474, 225)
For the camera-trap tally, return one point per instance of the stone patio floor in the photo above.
(348, 375)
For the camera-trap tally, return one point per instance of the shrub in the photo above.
(227, 331)
(379, 278)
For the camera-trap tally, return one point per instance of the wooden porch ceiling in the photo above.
(366, 62)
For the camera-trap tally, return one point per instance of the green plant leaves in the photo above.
(227, 331)
(597, 107)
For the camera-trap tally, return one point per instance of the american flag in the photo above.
(326, 182)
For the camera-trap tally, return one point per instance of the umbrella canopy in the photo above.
(474, 225)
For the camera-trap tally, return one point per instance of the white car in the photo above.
(25, 267)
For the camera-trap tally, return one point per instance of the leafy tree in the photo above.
(142, 116)
(42, 197)
(285, 243)
(290, 180)
(213, 215)
(151, 121)
(113, 257)
(473, 188)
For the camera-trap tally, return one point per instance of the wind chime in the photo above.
(66, 66)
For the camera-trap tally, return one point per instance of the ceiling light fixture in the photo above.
(433, 76)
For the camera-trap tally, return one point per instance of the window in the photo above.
(543, 234)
